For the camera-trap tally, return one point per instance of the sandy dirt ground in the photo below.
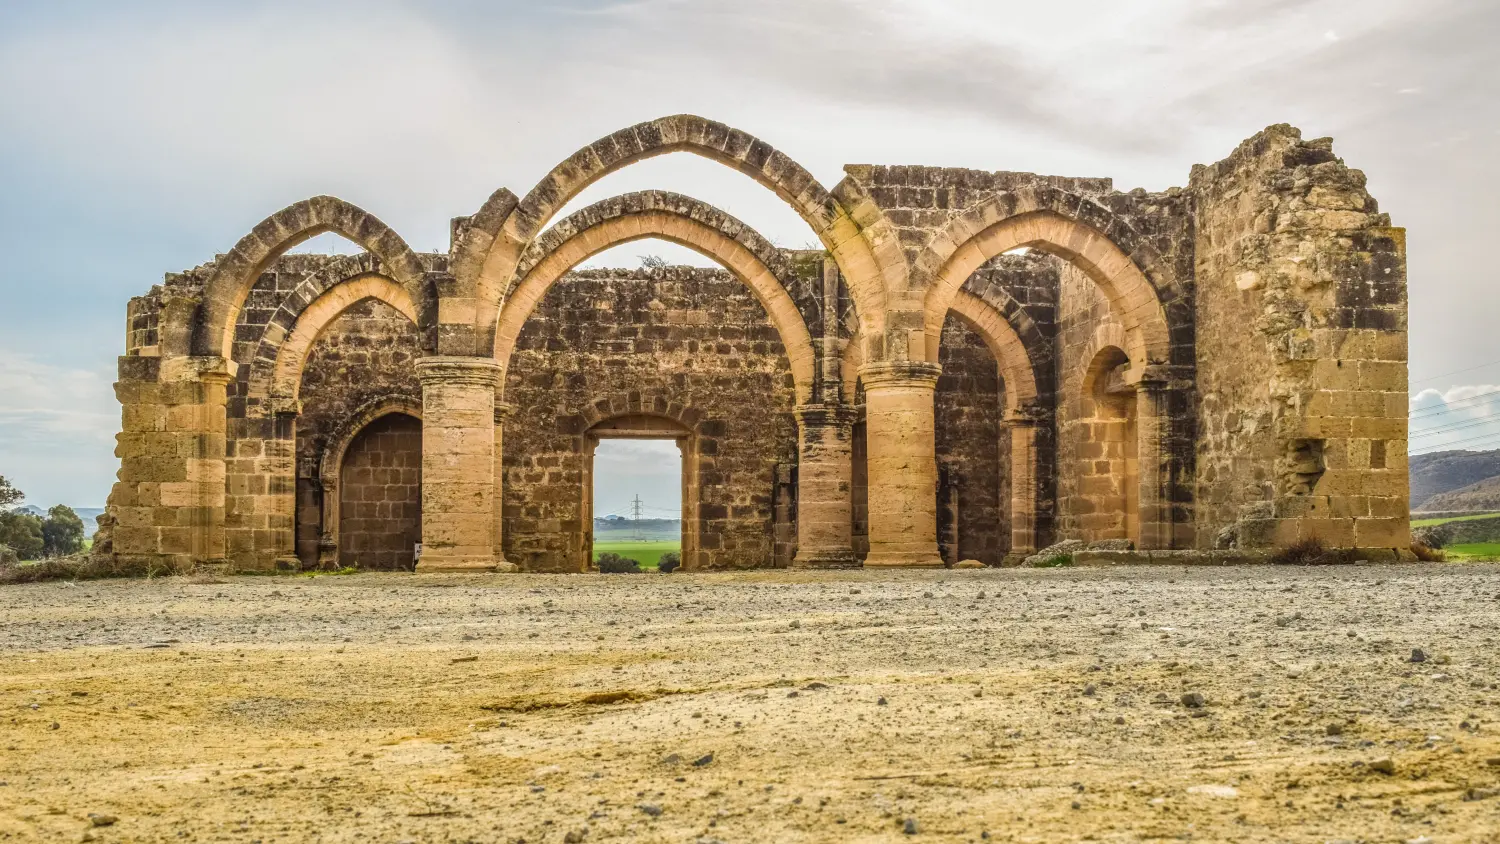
(1139, 704)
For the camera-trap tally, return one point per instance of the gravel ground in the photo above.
(1253, 704)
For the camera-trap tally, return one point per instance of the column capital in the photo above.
(459, 369)
(1019, 419)
(828, 415)
(208, 369)
(891, 373)
(283, 406)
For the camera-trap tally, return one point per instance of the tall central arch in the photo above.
(489, 252)
(667, 216)
(672, 217)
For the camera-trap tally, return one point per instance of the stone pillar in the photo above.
(168, 505)
(1153, 503)
(502, 412)
(902, 461)
(1023, 485)
(280, 505)
(458, 463)
(825, 487)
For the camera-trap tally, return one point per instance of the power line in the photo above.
(1456, 426)
(1454, 372)
(1450, 406)
(1442, 446)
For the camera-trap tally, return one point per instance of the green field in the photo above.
(646, 552)
(1476, 551)
(1429, 522)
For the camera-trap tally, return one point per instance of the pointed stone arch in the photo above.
(276, 373)
(235, 273)
(1005, 344)
(679, 219)
(1140, 287)
(496, 237)
(262, 364)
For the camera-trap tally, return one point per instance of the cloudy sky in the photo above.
(140, 138)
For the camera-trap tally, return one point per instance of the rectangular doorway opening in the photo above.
(636, 491)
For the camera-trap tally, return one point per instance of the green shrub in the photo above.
(23, 533)
(669, 562)
(77, 567)
(612, 563)
(9, 495)
(62, 532)
(1057, 562)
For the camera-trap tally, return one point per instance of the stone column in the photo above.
(502, 412)
(902, 461)
(280, 504)
(167, 509)
(825, 487)
(1023, 485)
(1152, 502)
(458, 463)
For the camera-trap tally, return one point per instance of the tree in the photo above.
(9, 495)
(62, 532)
(23, 533)
(611, 563)
(669, 562)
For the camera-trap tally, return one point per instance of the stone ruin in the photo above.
(974, 365)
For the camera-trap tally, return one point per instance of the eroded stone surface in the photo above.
(1215, 367)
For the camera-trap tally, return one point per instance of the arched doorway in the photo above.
(380, 495)
(1107, 502)
(645, 427)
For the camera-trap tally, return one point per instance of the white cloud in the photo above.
(181, 125)
(1466, 417)
(625, 468)
(57, 429)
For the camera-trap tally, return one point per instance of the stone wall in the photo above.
(1259, 398)
(1094, 438)
(690, 344)
(380, 495)
(365, 356)
(971, 447)
(1024, 289)
(1314, 395)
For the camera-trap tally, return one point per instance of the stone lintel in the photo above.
(459, 369)
(900, 373)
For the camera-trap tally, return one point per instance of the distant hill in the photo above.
(1484, 495)
(1442, 472)
(619, 527)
